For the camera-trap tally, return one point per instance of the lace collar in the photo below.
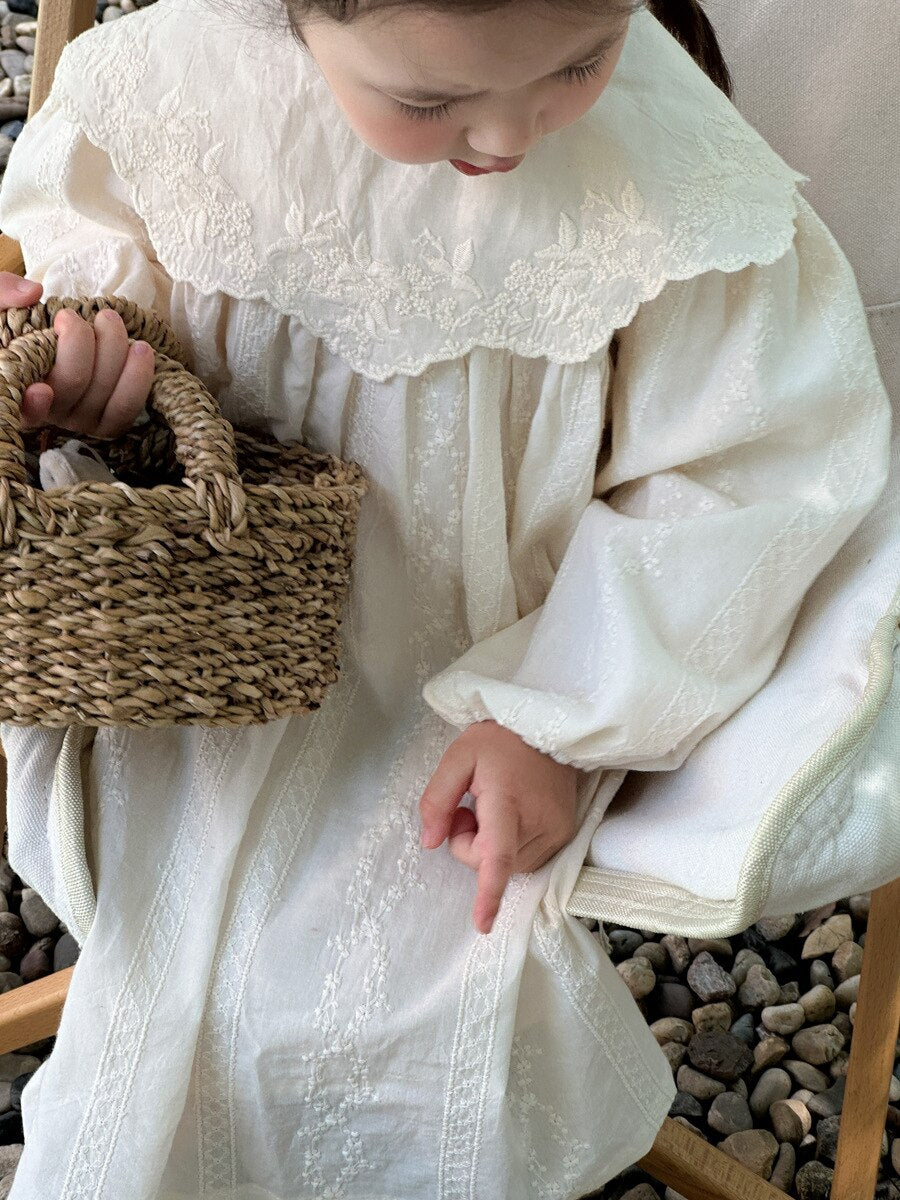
(250, 182)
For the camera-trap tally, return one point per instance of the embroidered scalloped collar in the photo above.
(398, 266)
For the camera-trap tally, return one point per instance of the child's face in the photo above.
(513, 58)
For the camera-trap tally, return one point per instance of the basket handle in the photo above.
(204, 439)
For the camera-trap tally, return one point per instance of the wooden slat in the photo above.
(683, 1161)
(58, 22)
(871, 1051)
(11, 256)
(32, 1012)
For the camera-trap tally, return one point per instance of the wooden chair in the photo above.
(678, 1158)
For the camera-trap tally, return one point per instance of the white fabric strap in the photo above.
(67, 802)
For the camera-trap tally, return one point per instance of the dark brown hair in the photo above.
(684, 19)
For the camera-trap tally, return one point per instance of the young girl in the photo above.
(618, 407)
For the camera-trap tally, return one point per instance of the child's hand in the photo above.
(99, 384)
(525, 804)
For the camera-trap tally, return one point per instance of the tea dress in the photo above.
(281, 996)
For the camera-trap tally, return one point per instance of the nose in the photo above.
(507, 134)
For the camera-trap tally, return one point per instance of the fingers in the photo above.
(130, 393)
(444, 794)
(498, 844)
(99, 382)
(16, 292)
(110, 350)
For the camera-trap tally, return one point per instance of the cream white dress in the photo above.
(281, 996)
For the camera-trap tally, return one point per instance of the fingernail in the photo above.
(142, 349)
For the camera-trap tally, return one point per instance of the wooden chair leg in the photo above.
(871, 1051)
(683, 1161)
(32, 1012)
(59, 21)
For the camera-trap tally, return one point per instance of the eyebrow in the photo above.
(423, 95)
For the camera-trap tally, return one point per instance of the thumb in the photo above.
(16, 292)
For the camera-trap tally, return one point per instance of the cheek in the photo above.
(398, 137)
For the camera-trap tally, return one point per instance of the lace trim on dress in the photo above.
(397, 266)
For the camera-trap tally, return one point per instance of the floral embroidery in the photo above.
(450, 269)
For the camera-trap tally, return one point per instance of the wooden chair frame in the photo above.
(680, 1159)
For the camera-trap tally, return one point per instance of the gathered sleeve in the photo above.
(749, 433)
(72, 216)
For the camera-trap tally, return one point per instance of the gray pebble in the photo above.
(791, 1120)
(710, 982)
(677, 949)
(111, 13)
(700, 1086)
(819, 972)
(830, 1102)
(859, 906)
(9, 1158)
(790, 992)
(720, 1055)
(5, 1087)
(674, 1054)
(837, 1068)
(37, 963)
(804, 1095)
(639, 976)
(773, 929)
(26, 44)
(818, 1044)
(783, 1018)
(846, 961)
(754, 1148)
(720, 946)
(36, 916)
(8, 981)
(676, 1000)
(654, 953)
(842, 1022)
(711, 1017)
(743, 1029)
(806, 1075)
(12, 62)
(643, 1191)
(740, 1087)
(827, 1138)
(760, 988)
(22, 86)
(774, 1084)
(847, 993)
(829, 935)
(14, 1065)
(672, 1029)
(818, 1003)
(13, 941)
(65, 953)
(785, 1165)
(685, 1105)
(769, 1051)
(729, 1113)
(744, 960)
(813, 1181)
(624, 942)
(894, 1092)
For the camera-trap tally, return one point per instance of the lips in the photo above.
(468, 169)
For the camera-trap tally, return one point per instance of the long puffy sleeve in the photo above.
(72, 215)
(749, 436)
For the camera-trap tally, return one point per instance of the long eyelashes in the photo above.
(436, 111)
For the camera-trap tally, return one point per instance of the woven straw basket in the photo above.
(208, 591)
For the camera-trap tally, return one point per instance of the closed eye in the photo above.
(436, 111)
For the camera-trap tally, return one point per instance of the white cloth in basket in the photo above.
(281, 996)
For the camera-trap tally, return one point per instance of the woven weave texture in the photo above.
(208, 590)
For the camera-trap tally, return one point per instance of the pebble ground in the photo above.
(757, 1028)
